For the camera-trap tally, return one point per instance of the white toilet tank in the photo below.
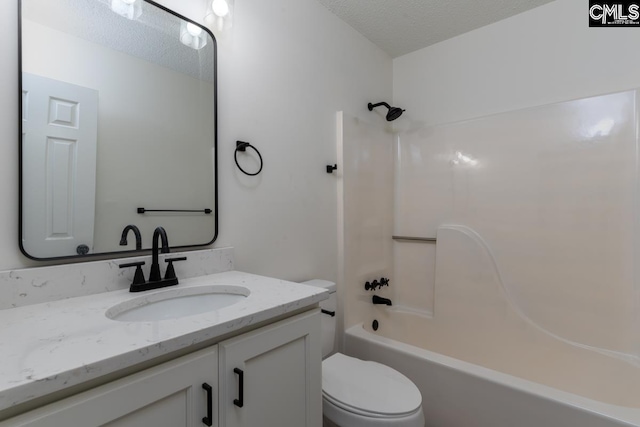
(328, 322)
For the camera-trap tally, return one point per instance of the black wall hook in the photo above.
(331, 168)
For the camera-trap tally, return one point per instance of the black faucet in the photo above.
(155, 279)
(136, 232)
(158, 233)
(379, 300)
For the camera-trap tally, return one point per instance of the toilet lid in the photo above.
(369, 387)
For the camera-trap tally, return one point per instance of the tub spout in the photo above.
(379, 300)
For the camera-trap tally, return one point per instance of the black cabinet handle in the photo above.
(330, 313)
(208, 420)
(239, 402)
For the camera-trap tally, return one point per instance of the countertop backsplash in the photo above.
(28, 286)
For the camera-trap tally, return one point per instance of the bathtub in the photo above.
(464, 393)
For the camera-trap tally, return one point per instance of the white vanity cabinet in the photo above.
(272, 377)
(168, 395)
(281, 365)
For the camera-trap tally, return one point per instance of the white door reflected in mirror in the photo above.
(59, 137)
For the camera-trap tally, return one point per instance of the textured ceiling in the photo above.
(153, 37)
(402, 26)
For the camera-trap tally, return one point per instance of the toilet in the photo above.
(359, 393)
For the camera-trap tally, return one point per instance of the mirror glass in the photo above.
(118, 114)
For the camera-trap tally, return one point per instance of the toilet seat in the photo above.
(365, 414)
(368, 389)
(339, 417)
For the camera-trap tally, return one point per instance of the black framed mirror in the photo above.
(118, 126)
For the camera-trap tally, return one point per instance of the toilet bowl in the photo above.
(359, 393)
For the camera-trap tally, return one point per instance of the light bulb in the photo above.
(130, 9)
(220, 7)
(194, 30)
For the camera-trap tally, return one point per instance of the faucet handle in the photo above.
(171, 272)
(138, 278)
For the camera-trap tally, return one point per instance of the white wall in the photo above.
(290, 66)
(284, 71)
(545, 55)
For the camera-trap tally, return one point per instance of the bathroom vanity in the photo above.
(255, 362)
(222, 348)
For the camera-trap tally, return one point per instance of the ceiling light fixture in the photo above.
(219, 14)
(220, 7)
(130, 9)
(194, 30)
(192, 35)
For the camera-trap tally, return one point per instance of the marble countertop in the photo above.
(45, 348)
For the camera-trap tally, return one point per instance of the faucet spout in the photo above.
(136, 232)
(379, 300)
(158, 233)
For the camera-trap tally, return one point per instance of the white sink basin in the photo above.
(177, 302)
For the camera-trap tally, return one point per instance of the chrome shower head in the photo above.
(392, 114)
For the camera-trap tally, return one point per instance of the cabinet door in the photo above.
(168, 395)
(280, 366)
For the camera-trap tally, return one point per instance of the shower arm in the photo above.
(392, 113)
(372, 106)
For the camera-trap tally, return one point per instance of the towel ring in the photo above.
(242, 146)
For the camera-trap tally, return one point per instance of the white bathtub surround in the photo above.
(476, 321)
(552, 190)
(365, 198)
(414, 264)
(45, 284)
(461, 394)
(534, 283)
(48, 347)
